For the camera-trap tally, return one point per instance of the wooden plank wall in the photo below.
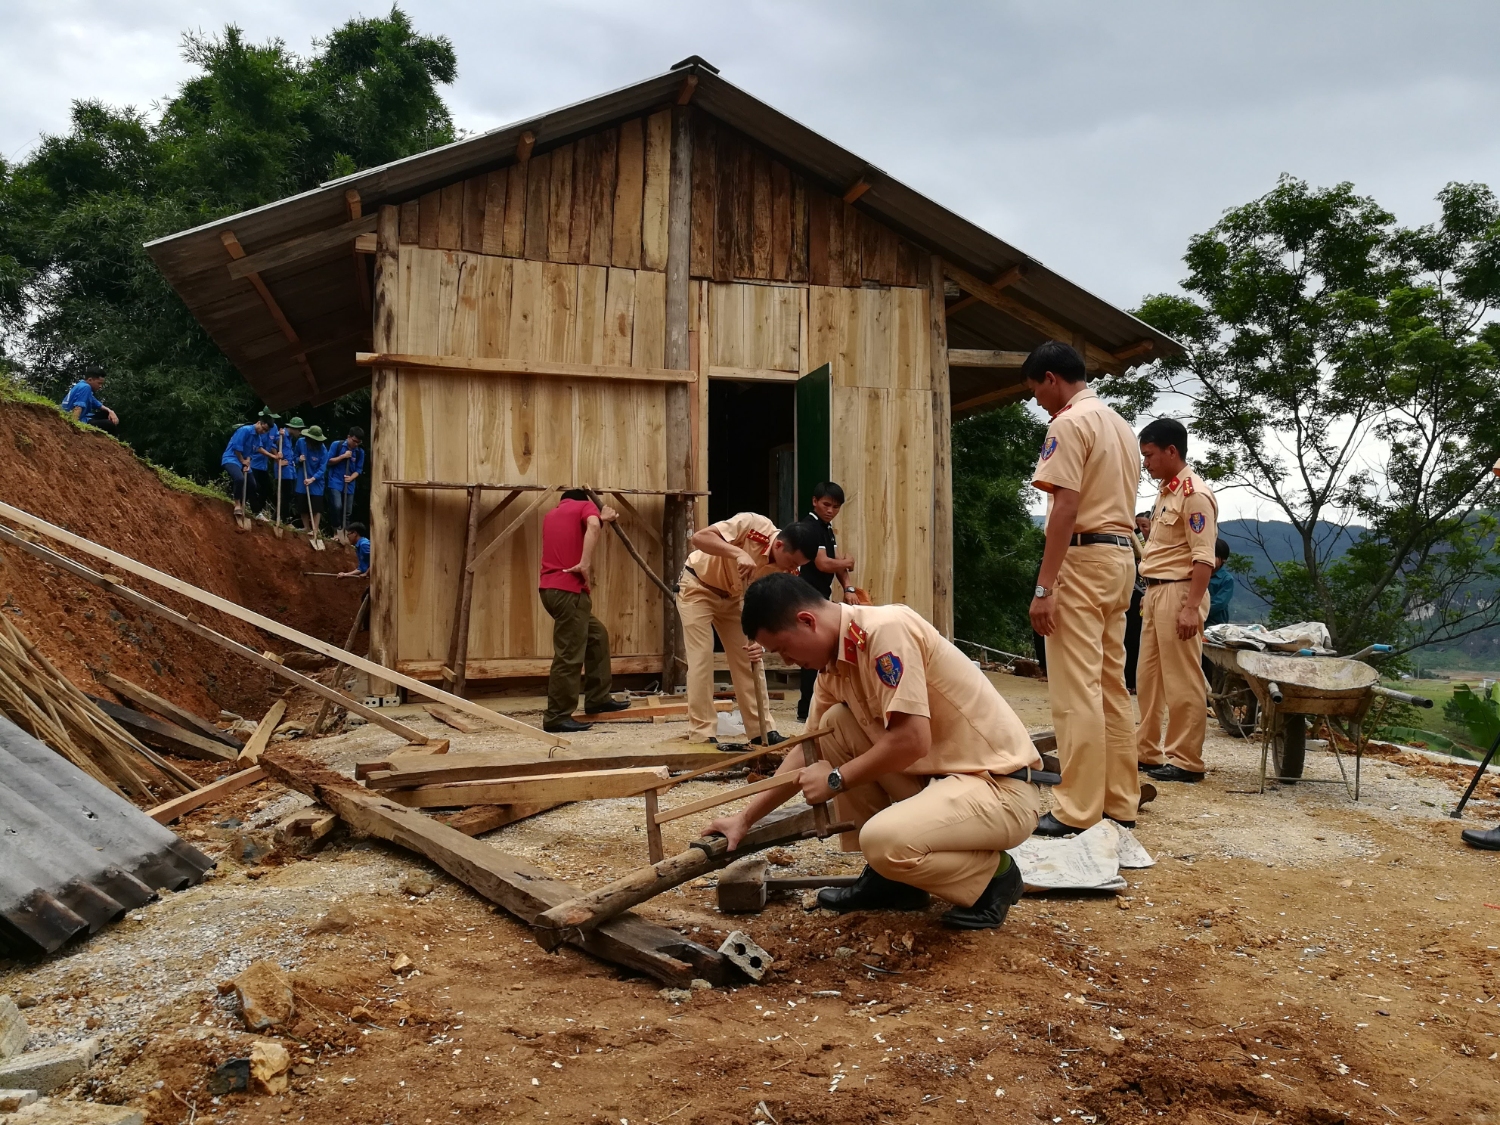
(602, 200)
(756, 327)
(523, 431)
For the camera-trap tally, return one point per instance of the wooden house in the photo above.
(671, 293)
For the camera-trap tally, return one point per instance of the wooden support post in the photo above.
(678, 421)
(250, 755)
(458, 646)
(653, 829)
(384, 453)
(942, 454)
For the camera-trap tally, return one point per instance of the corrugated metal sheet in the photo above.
(321, 299)
(73, 855)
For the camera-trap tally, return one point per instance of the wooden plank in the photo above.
(171, 810)
(312, 824)
(704, 201)
(942, 453)
(514, 667)
(885, 253)
(797, 265)
(538, 206)
(585, 181)
(781, 221)
(558, 788)
(761, 214)
(298, 249)
(853, 273)
(427, 220)
(276, 628)
(383, 460)
(630, 185)
(166, 709)
(532, 503)
(513, 234)
(405, 769)
(408, 230)
(619, 317)
(458, 649)
(164, 735)
(776, 781)
(818, 232)
(658, 171)
(602, 223)
(727, 163)
(984, 357)
(492, 237)
(753, 374)
(470, 365)
(263, 732)
(649, 339)
(744, 209)
(452, 718)
(837, 214)
(451, 217)
(517, 887)
(560, 205)
(479, 819)
(909, 261)
(471, 237)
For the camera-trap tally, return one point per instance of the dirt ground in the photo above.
(1292, 956)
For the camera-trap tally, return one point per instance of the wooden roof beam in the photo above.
(857, 189)
(685, 91)
(236, 251)
(1140, 347)
(524, 144)
(993, 398)
(294, 250)
(457, 364)
(1094, 356)
(984, 357)
(1003, 280)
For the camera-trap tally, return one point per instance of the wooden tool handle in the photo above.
(811, 754)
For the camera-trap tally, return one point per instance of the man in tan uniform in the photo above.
(1177, 565)
(1088, 469)
(920, 752)
(728, 556)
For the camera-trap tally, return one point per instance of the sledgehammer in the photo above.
(744, 885)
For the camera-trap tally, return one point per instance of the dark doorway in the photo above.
(751, 451)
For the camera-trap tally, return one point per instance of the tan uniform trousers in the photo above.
(1086, 679)
(1170, 681)
(702, 612)
(942, 834)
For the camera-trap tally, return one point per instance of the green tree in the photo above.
(256, 123)
(997, 546)
(1341, 370)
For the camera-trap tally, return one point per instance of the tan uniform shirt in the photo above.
(1184, 527)
(748, 530)
(1090, 449)
(890, 659)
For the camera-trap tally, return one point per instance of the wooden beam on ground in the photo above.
(407, 770)
(181, 806)
(479, 819)
(552, 788)
(451, 717)
(1095, 357)
(458, 644)
(517, 887)
(166, 709)
(263, 732)
(569, 920)
(985, 357)
(165, 735)
(197, 628)
(467, 365)
(312, 824)
(236, 251)
(296, 249)
(275, 628)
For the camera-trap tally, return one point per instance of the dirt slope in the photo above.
(94, 486)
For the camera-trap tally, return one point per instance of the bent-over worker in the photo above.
(921, 753)
(580, 642)
(1178, 562)
(361, 536)
(727, 557)
(1089, 469)
(236, 461)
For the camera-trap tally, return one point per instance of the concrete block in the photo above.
(12, 1100)
(13, 1029)
(751, 959)
(52, 1111)
(49, 1068)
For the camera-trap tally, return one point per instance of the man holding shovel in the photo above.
(286, 483)
(236, 462)
(346, 460)
(312, 471)
(266, 451)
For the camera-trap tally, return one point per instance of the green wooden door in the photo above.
(814, 434)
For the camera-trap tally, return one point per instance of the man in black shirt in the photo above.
(828, 499)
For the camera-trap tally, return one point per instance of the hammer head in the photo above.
(742, 886)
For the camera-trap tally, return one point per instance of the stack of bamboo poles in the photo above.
(41, 701)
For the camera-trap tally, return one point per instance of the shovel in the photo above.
(241, 517)
(280, 452)
(312, 517)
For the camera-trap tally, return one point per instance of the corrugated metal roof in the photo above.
(321, 299)
(73, 855)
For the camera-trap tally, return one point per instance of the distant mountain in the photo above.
(1268, 542)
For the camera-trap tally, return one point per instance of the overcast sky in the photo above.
(1095, 136)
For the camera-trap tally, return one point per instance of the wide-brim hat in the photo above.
(295, 424)
(265, 412)
(313, 433)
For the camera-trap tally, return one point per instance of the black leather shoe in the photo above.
(873, 891)
(989, 911)
(608, 706)
(1147, 767)
(1486, 838)
(567, 726)
(1174, 773)
(1122, 823)
(1049, 825)
(772, 738)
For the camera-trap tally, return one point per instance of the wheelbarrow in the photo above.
(1286, 690)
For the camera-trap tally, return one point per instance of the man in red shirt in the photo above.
(570, 534)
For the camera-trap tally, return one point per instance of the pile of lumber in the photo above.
(46, 705)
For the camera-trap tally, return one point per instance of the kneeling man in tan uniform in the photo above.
(920, 752)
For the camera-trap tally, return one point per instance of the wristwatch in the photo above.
(835, 780)
(1043, 592)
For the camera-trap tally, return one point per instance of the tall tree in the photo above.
(1343, 371)
(254, 124)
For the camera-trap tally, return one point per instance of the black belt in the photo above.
(1164, 581)
(1035, 777)
(1089, 538)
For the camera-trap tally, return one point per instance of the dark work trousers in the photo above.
(809, 679)
(337, 498)
(242, 487)
(1132, 636)
(263, 485)
(580, 642)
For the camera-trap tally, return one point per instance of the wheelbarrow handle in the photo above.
(1414, 700)
(1371, 650)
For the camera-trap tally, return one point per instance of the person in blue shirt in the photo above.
(346, 461)
(261, 458)
(312, 475)
(236, 462)
(291, 433)
(361, 536)
(82, 402)
(1220, 586)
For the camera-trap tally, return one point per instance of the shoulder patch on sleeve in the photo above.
(1196, 521)
(888, 668)
(1049, 447)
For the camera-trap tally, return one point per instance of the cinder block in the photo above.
(13, 1029)
(12, 1100)
(50, 1111)
(50, 1068)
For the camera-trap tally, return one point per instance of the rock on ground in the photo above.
(47, 1069)
(13, 1029)
(265, 996)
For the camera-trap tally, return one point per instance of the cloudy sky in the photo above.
(1096, 136)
